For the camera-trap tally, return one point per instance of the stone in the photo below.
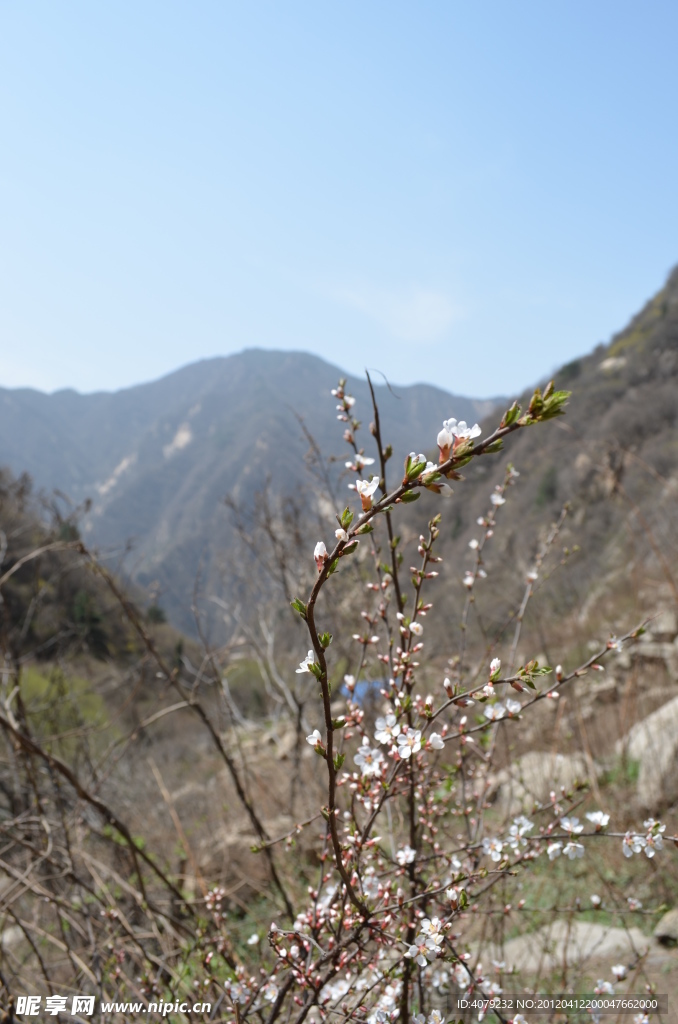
(666, 652)
(532, 777)
(653, 742)
(664, 625)
(666, 931)
(11, 936)
(571, 942)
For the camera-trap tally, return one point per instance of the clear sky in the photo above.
(463, 193)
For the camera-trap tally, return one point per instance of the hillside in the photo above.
(614, 459)
(157, 460)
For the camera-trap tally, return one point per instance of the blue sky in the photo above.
(469, 194)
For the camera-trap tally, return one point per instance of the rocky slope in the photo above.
(157, 460)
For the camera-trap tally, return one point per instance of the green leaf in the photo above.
(511, 415)
(463, 449)
(338, 723)
(496, 446)
(338, 761)
(415, 469)
(325, 640)
(333, 567)
(346, 518)
(365, 528)
(553, 406)
(387, 452)
(350, 547)
(299, 606)
(316, 670)
(410, 496)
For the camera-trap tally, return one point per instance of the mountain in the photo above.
(613, 458)
(158, 460)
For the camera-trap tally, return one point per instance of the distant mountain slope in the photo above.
(614, 458)
(157, 460)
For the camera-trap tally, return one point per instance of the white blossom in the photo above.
(604, 988)
(463, 432)
(598, 818)
(416, 628)
(495, 666)
(270, 992)
(370, 884)
(493, 847)
(517, 831)
(654, 840)
(308, 660)
(497, 499)
(366, 489)
(554, 850)
(473, 544)
(359, 462)
(315, 738)
(436, 741)
(433, 927)
(619, 971)
(320, 555)
(633, 903)
(461, 976)
(341, 534)
(469, 579)
(386, 729)
(405, 855)
(513, 706)
(368, 760)
(632, 844)
(445, 439)
(422, 952)
(253, 939)
(596, 900)
(573, 850)
(409, 743)
(572, 825)
(493, 712)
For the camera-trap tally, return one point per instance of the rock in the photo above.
(666, 652)
(664, 625)
(532, 777)
(666, 931)
(10, 936)
(574, 942)
(654, 743)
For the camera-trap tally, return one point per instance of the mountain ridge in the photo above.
(158, 459)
